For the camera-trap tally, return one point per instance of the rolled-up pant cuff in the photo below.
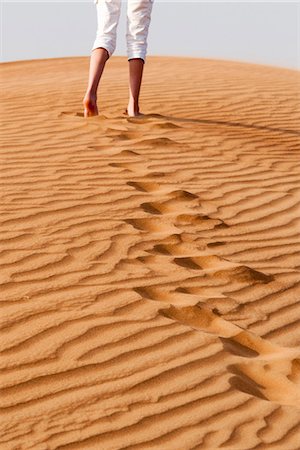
(137, 55)
(100, 43)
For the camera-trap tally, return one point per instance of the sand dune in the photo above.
(150, 266)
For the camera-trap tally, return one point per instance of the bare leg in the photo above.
(138, 21)
(99, 56)
(136, 67)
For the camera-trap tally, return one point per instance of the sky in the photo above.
(259, 32)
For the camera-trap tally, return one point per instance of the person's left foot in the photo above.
(90, 105)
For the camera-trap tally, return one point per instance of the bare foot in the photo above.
(132, 113)
(90, 105)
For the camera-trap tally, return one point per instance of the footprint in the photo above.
(203, 262)
(144, 186)
(131, 166)
(221, 225)
(120, 166)
(152, 293)
(202, 319)
(70, 113)
(124, 136)
(145, 118)
(80, 114)
(164, 295)
(182, 195)
(159, 142)
(294, 374)
(235, 339)
(152, 225)
(140, 120)
(166, 125)
(269, 380)
(194, 219)
(116, 130)
(175, 247)
(215, 244)
(188, 263)
(128, 153)
(170, 205)
(272, 372)
(247, 385)
(153, 208)
(244, 274)
(237, 348)
(212, 264)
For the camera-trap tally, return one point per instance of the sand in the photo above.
(150, 266)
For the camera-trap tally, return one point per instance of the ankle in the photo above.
(133, 106)
(91, 93)
(133, 100)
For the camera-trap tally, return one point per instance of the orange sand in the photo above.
(150, 267)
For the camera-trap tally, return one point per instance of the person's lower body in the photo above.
(138, 21)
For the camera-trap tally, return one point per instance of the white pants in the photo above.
(138, 21)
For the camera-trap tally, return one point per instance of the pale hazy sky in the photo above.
(260, 32)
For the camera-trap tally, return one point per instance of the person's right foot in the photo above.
(90, 105)
(132, 113)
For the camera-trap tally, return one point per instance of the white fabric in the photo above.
(138, 21)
